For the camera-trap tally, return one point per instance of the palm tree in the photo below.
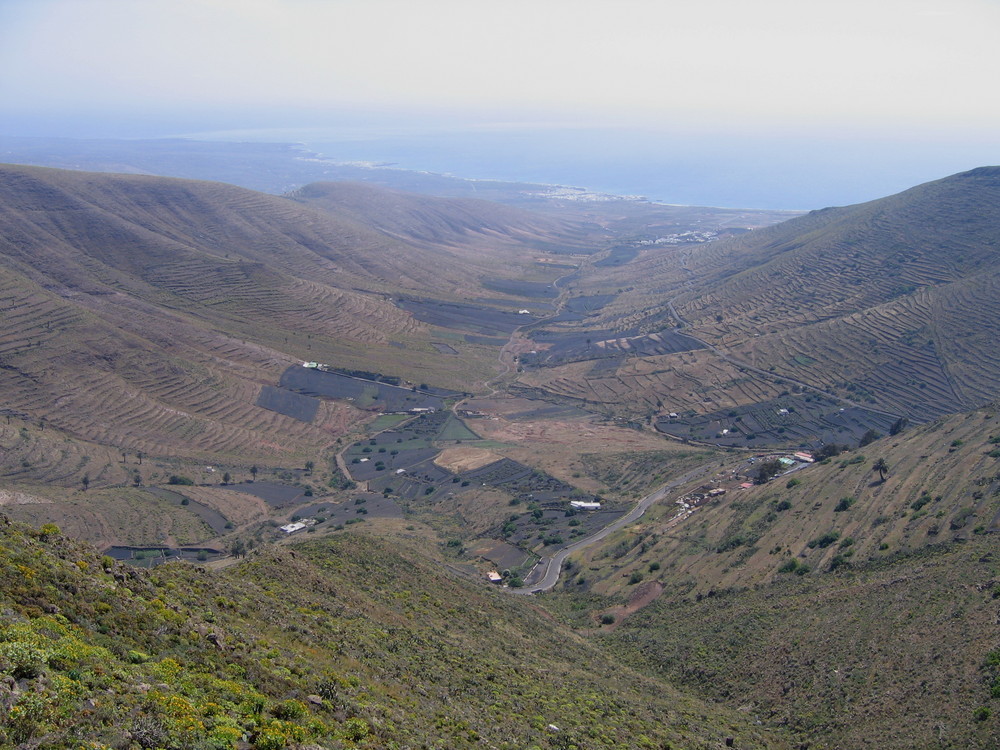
(881, 467)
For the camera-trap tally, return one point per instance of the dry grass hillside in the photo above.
(942, 486)
(854, 610)
(454, 222)
(891, 303)
(145, 314)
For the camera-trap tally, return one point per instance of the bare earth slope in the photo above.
(453, 222)
(892, 302)
(146, 313)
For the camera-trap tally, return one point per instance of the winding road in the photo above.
(551, 567)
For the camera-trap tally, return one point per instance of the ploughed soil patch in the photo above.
(587, 305)
(365, 394)
(397, 451)
(364, 468)
(484, 340)
(523, 409)
(555, 527)
(294, 405)
(562, 347)
(407, 465)
(505, 556)
(275, 494)
(148, 557)
(527, 289)
(363, 505)
(215, 520)
(807, 421)
(618, 256)
(476, 319)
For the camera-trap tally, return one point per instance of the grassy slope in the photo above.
(881, 637)
(396, 653)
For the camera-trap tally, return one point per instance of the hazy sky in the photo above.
(919, 71)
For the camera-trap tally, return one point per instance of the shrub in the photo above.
(783, 505)
(844, 504)
(47, 531)
(921, 501)
(177, 479)
(829, 451)
(868, 438)
(635, 578)
(607, 619)
(289, 709)
(824, 541)
(789, 566)
(838, 561)
(356, 729)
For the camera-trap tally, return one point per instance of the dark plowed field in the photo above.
(588, 305)
(273, 493)
(485, 340)
(554, 411)
(366, 394)
(618, 256)
(790, 421)
(375, 465)
(148, 557)
(505, 556)
(527, 289)
(362, 505)
(215, 520)
(294, 405)
(482, 320)
(585, 345)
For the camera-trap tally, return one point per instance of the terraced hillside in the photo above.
(890, 303)
(147, 314)
(855, 609)
(473, 225)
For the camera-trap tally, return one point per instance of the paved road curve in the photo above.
(551, 567)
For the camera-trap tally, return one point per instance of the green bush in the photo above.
(921, 501)
(177, 479)
(824, 541)
(789, 566)
(844, 504)
(289, 709)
